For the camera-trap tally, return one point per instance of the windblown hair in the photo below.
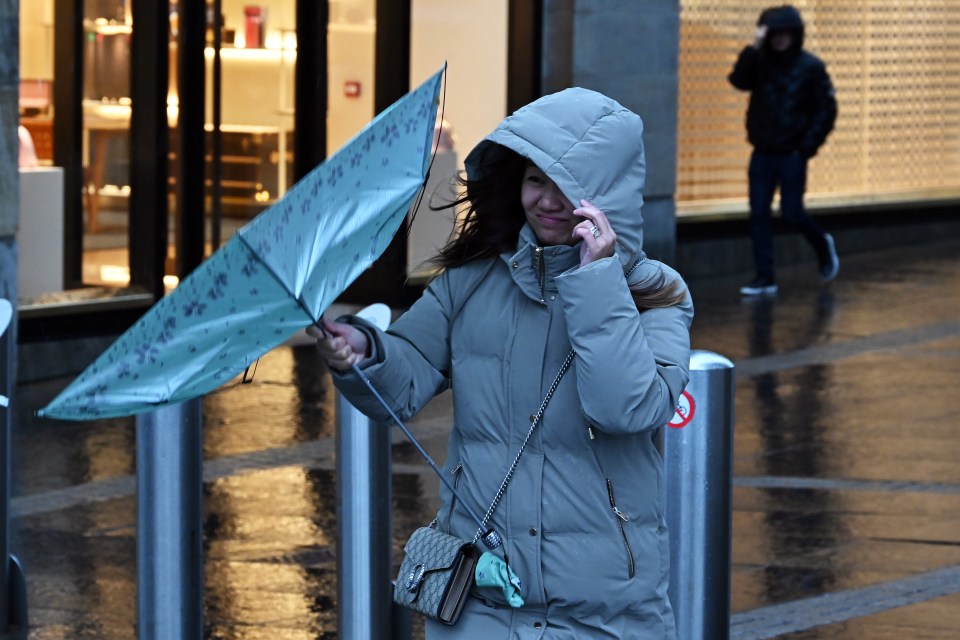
(656, 293)
(493, 219)
(494, 214)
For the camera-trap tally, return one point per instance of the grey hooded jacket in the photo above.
(583, 515)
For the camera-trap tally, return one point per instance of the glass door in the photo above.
(106, 112)
(249, 110)
(103, 168)
(41, 226)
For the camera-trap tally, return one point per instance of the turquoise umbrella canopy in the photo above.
(276, 276)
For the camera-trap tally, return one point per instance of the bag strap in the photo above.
(533, 425)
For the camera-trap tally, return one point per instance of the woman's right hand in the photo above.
(341, 345)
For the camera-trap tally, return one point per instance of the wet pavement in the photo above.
(846, 519)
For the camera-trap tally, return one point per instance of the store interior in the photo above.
(257, 57)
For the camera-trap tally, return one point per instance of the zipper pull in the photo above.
(613, 503)
(539, 267)
(590, 432)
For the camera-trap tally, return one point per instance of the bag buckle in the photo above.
(414, 578)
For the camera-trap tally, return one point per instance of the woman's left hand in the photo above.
(598, 238)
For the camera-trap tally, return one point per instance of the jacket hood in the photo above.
(590, 146)
(784, 18)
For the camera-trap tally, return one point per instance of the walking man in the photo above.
(791, 111)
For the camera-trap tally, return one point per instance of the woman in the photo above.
(529, 278)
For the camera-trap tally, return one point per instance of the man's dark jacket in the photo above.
(792, 104)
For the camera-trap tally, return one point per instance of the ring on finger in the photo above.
(595, 232)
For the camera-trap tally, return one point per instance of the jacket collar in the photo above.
(534, 267)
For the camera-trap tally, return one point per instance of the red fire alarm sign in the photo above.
(351, 88)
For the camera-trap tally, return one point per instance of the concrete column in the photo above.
(629, 51)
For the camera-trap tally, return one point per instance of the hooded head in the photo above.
(783, 18)
(589, 145)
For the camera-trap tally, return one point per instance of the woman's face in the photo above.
(548, 211)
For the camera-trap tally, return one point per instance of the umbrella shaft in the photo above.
(423, 452)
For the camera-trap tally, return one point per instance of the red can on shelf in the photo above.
(253, 25)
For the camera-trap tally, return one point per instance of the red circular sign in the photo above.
(685, 410)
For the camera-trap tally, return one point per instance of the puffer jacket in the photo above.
(583, 516)
(792, 102)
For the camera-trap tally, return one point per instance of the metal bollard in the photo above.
(170, 523)
(364, 597)
(698, 460)
(13, 588)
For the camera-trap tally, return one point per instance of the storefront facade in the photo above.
(170, 123)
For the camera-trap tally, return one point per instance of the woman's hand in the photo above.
(598, 238)
(341, 345)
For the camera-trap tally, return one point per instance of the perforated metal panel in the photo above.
(896, 68)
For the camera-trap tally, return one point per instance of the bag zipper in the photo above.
(621, 518)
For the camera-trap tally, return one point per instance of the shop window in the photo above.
(475, 101)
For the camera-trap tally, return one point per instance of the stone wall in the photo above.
(630, 52)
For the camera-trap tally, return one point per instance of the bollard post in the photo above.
(170, 523)
(364, 598)
(13, 589)
(698, 461)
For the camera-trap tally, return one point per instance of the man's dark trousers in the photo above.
(789, 172)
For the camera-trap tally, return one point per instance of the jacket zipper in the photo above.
(540, 268)
(621, 518)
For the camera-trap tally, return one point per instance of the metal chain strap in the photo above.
(533, 425)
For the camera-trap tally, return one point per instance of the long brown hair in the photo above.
(493, 219)
(494, 213)
(656, 293)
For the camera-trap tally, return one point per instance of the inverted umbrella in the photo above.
(276, 276)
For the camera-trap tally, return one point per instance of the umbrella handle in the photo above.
(319, 325)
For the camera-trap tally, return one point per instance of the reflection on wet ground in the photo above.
(847, 480)
(855, 398)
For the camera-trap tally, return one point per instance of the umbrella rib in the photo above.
(276, 276)
(433, 156)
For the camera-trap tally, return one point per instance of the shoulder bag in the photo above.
(437, 572)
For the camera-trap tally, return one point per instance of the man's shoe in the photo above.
(830, 265)
(759, 287)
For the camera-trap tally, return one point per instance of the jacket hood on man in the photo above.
(590, 146)
(784, 18)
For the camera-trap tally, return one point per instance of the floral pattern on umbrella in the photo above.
(278, 275)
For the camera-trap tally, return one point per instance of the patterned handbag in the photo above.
(436, 574)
